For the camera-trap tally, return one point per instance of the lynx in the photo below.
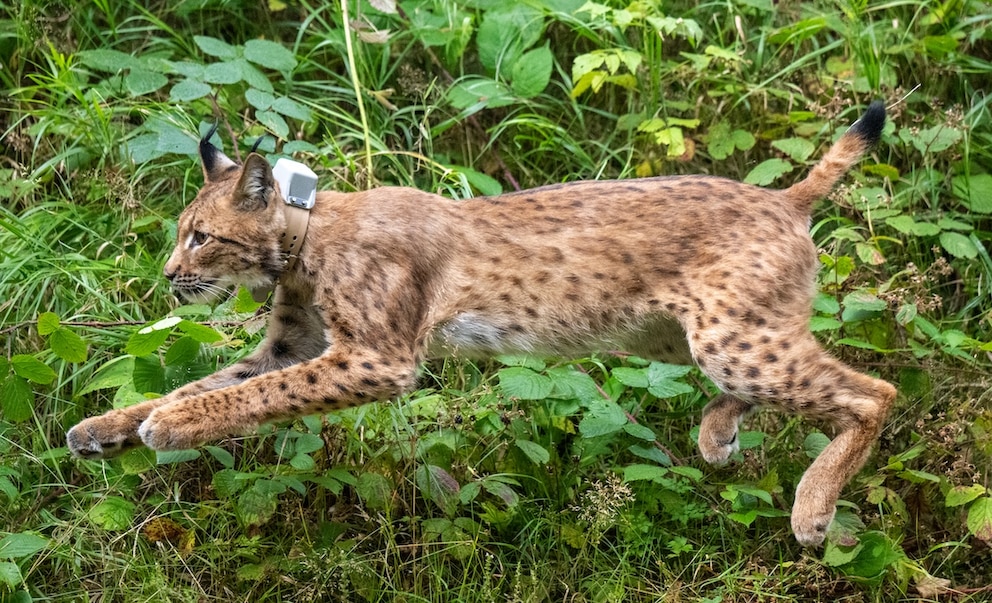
(680, 269)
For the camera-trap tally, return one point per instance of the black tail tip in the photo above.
(869, 127)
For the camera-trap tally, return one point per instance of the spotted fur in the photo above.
(680, 269)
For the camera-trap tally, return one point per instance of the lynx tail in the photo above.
(863, 135)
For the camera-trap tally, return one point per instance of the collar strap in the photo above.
(298, 186)
(297, 222)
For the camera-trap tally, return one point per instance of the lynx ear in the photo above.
(256, 184)
(215, 163)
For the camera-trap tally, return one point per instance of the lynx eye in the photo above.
(199, 238)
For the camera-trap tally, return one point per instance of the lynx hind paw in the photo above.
(101, 438)
(165, 430)
(716, 447)
(810, 527)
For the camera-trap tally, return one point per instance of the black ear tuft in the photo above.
(215, 163)
(869, 127)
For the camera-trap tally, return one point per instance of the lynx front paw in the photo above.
(162, 431)
(717, 447)
(103, 437)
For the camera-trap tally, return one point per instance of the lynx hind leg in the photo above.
(786, 368)
(718, 431)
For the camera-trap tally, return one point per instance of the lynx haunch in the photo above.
(679, 269)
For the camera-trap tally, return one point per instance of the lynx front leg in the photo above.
(718, 431)
(333, 381)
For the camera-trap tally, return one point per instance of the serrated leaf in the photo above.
(641, 472)
(535, 452)
(719, 144)
(48, 322)
(308, 442)
(107, 60)
(798, 149)
(269, 54)
(10, 574)
(768, 171)
(228, 482)
(19, 546)
(980, 519)
(228, 72)
(962, 495)
(743, 140)
(32, 369)
(274, 122)
(975, 190)
(302, 462)
(663, 380)
(145, 342)
(183, 351)
(114, 373)
(532, 72)
(140, 82)
(291, 108)
(641, 432)
(188, 90)
(437, 486)
(201, 333)
(375, 491)
(17, 402)
(524, 384)
(137, 461)
(814, 444)
(67, 345)
(215, 47)
(603, 418)
(112, 513)
(256, 504)
(958, 245)
(259, 99)
(632, 377)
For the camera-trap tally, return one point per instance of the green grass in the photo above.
(461, 491)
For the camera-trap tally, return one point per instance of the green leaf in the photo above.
(149, 339)
(980, 519)
(375, 491)
(113, 513)
(228, 482)
(962, 495)
(958, 245)
(175, 457)
(798, 149)
(269, 54)
(183, 351)
(10, 574)
(107, 60)
(19, 546)
(861, 305)
(603, 418)
(524, 384)
(148, 375)
(67, 345)
(228, 72)
(931, 140)
(505, 32)
(632, 377)
(114, 373)
(641, 472)
(274, 122)
(503, 491)
(815, 443)
(291, 108)
(257, 504)
(259, 99)
(743, 140)
(222, 456)
(137, 461)
(32, 369)
(188, 90)
(48, 322)
(663, 380)
(768, 171)
(481, 182)
(641, 432)
(216, 48)
(975, 191)
(437, 486)
(201, 333)
(484, 92)
(535, 452)
(719, 144)
(302, 462)
(140, 82)
(532, 72)
(17, 400)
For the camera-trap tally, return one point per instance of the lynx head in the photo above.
(229, 235)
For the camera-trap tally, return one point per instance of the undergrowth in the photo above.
(521, 479)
